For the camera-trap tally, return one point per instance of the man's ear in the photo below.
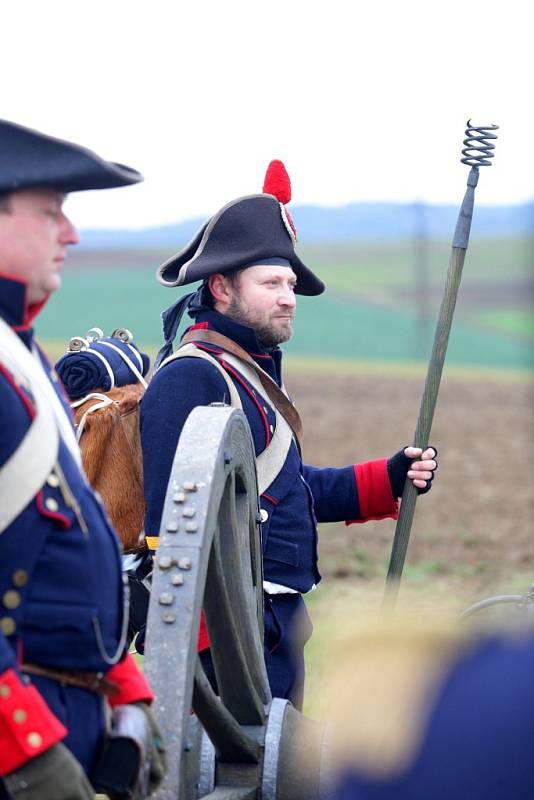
(218, 286)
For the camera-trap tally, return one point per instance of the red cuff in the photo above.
(133, 686)
(374, 492)
(27, 726)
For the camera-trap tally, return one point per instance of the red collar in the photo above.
(13, 304)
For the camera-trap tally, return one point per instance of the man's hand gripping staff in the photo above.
(420, 471)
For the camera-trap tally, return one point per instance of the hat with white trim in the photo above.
(255, 229)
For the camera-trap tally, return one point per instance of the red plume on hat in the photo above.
(277, 183)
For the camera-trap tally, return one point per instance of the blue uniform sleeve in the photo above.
(335, 494)
(14, 420)
(354, 494)
(173, 393)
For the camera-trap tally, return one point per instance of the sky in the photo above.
(362, 101)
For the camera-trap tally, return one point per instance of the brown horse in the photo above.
(112, 457)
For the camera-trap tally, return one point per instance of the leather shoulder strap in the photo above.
(271, 460)
(26, 470)
(190, 351)
(273, 391)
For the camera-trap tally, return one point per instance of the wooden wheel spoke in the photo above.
(235, 659)
(241, 560)
(230, 742)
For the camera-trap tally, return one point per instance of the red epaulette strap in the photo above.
(374, 492)
(27, 726)
(133, 686)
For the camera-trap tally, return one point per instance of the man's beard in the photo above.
(267, 332)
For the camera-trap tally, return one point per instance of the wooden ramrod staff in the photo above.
(477, 152)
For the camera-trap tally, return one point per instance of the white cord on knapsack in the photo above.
(125, 358)
(103, 401)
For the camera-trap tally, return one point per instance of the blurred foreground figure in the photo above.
(63, 662)
(426, 716)
(244, 309)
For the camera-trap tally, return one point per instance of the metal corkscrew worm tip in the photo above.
(478, 148)
(477, 152)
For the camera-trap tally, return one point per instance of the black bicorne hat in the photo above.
(30, 159)
(247, 231)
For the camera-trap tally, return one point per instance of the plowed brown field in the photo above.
(477, 523)
(473, 535)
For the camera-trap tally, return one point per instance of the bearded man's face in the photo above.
(263, 297)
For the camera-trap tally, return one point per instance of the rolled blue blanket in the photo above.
(104, 364)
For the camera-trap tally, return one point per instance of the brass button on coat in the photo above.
(51, 504)
(7, 625)
(264, 515)
(11, 599)
(20, 577)
(34, 739)
(20, 716)
(53, 480)
(5, 691)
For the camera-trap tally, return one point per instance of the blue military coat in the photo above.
(61, 590)
(300, 495)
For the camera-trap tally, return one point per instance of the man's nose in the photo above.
(69, 234)
(287, 297)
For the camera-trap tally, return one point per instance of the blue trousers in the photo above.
(287, 629)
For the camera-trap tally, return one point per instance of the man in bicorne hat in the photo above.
(64, 667)
(245, 257)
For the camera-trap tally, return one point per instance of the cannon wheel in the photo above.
(242, 744)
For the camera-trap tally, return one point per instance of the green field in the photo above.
(374, 309)
(519, 323)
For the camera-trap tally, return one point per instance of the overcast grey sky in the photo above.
(363, 101)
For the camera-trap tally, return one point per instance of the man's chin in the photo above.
(282, 333)
(38, 294)
(53, 284)
(287, 330)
